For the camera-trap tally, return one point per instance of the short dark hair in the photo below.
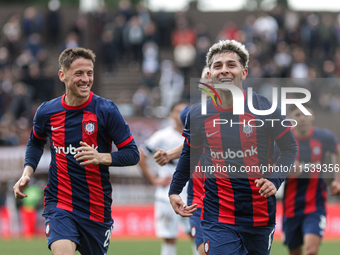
(178, 103)
(69, 55)
(228, 46)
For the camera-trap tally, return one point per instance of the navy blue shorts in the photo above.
(91, 237)
(222, 239)
(196, 229)
(295, 228)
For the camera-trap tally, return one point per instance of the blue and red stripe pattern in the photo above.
(307, 193)
(196, 186)
(84, 190)
(237, 142)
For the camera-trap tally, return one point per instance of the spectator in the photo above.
(21, 104)
(171, 85)
(32, 22)
(53, 22)
(283, 59)
(12, 32)
(134, 38)
(266, 26)
(299, 67)
(150, 63)
(229, 31)
(107, 50)
(118, 37)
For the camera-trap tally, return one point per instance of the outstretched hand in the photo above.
(180, 207)
(19, 186)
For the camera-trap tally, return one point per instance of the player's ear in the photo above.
(244, 73)
(61, 75)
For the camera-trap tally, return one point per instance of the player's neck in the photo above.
(226, 98)
(178, 128)
(303, 133)
(75, 101)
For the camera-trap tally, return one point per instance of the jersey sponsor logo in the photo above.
(55, 128)
(247, 130)
(90, 127)
(69, 149)
(232, 154)
(208, 135)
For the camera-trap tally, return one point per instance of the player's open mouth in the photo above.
(83, 87)
(226, 80)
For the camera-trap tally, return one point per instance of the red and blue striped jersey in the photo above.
(84, 190)
(236, 144)
(307, 193)
(196, 186)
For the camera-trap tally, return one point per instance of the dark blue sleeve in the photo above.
(126, 156)
(119, 132)
(183, 115)
(330, 141)
(189, 157)
(286, 158)
(34, 151)
(38, 139)
(186, 164)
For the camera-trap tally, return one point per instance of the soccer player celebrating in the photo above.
(238, 214)
(81, 127)
(167, 222)
(305, 193)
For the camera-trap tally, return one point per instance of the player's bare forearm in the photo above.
(175, 152)
(180, 207)
(267, 188)
(23, 182)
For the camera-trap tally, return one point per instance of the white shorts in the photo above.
(168, 222)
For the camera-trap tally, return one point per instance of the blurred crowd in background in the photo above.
(160, 50)
(166, 49)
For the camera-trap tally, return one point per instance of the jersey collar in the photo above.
(69, 107)
(301, 138)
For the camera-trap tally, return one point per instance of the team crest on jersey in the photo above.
(90, 127)
(316, 150)
(247, 130)
(207, 247)
(47, 229)
(193, 231)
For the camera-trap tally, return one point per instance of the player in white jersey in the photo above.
(167, 221)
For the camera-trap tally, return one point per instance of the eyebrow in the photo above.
(218, 62)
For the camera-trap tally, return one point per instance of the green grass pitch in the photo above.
(140, 247)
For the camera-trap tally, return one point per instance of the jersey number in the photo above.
(108, 235)
(270, 239)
